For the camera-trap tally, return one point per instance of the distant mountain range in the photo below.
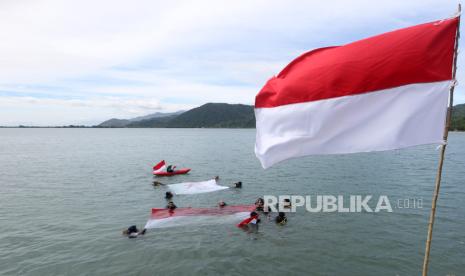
(125, 122)
(210, 115)
(215, 115)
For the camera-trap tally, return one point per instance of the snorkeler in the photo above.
(259, 204)
(133, 232)
(171, 205)
(281, 219)
(287, 203)
(157, 183)
(168, 195)
(238, 185)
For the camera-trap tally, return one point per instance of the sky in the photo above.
(84, 61)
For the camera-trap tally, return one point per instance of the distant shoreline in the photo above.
(100, 127)
(211, 116)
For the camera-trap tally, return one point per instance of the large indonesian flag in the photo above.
(162, 218)
(385, 92)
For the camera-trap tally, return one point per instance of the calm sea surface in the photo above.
(66, 194)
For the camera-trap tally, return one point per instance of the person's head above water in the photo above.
(281, 218)
(133, 232)
(168, 195)
(259, 203)
(221, 204)
(238, 184)
(132, 229)
(287, 203)
(171, 205)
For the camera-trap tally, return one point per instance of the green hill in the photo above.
(114, 123)
(210, 115)
(125, 122)
(153, 122)
(217, 115)
(458, 118)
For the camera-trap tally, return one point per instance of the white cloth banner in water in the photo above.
(189, 188)
(161, 218)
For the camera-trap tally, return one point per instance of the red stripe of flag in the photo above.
(159, 165)
(418, 54)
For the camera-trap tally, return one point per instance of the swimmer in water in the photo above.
(168, 195)
(259, 204)
(133, 232)
(281, 219)
(238, 185)
(287, 203)
(157, 183)
(221, 204)
(171, 206)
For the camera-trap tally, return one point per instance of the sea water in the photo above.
(66, 195)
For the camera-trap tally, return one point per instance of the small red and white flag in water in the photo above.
(160, 167)
(385, 92)
(162, 218)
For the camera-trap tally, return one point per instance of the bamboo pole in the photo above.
(443, 150)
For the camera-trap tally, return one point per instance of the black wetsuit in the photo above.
(281, 220)
(132, 229)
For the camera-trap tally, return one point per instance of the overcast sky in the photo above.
(85, 61)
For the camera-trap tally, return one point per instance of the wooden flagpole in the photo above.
(443, 150)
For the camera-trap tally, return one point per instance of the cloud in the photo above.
(90, 55)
